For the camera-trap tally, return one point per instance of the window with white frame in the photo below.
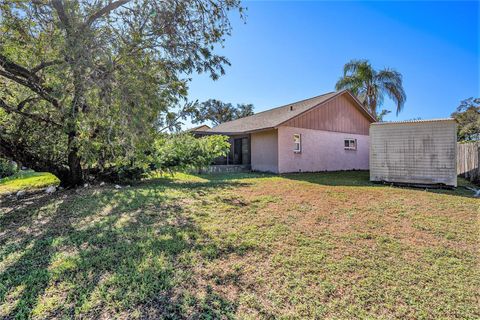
(350, 144)
(297, 143)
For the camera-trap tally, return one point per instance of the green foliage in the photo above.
(7, 168)
(27, 180)
(86, 85)
(468, 117)
(382, 114)
(184, 151)
(218, 112)
(371, 85)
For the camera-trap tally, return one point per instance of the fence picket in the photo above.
(468, 155)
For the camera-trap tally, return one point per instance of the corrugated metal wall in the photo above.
(422, 152)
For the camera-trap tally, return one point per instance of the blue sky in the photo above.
(292, 50)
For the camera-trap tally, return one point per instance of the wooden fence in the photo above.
(468, 156)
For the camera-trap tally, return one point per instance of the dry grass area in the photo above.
(327, 245)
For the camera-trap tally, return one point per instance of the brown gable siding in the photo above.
(340, 114)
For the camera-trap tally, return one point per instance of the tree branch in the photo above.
(58, 6)
(35, 117)
(16, 151)
(16, 69)
(186, 110)
(26, 78)
(23, 103)
(46, 64)
(105, 10)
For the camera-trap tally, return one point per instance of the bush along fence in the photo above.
(468, 155)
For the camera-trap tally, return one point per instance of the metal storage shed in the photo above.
(417, 152)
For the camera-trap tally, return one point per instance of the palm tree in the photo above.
(370, 85)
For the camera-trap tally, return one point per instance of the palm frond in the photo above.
(354, 65)
(389, 75)
(371, 86)
(391, 83)
(397, 94)
(351, 83)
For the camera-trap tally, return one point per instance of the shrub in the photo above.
(184, 151)
(169, 152)
(7, 168)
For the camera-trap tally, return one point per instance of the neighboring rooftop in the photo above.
(273, 117)
(202, 127)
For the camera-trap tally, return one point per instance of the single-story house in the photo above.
(324, 133)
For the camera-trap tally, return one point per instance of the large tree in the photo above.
(371, 85)
(85, 85)
(468, 117)
(218, 112)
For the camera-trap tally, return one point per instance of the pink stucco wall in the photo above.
(321, 151)
(264, 151)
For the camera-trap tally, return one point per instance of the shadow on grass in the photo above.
(357, 178)
(130, 252)
(353, 178)
(362, 179)
(334, 178)
(231, 176)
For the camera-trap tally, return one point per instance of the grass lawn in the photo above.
(27, 179)
(326, 245)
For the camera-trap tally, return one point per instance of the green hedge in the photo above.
(7, 168)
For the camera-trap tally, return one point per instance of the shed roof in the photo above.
(274, 117)
(413, 121)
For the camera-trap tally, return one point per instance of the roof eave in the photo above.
(234, 133)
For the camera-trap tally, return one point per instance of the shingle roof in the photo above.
(198, 128)
(414, 121)
(271, 118)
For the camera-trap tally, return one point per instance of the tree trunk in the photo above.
(70, 175)
(74, 177)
